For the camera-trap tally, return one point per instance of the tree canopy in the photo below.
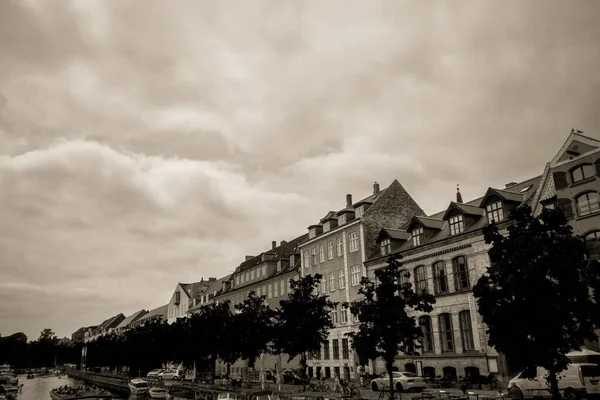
(535, 296)
(387, 315)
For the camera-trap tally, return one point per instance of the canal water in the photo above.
(39, 388)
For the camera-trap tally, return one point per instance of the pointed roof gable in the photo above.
(505, 195)
(131, 318)
(400, 194)
(425, 222)
(330, 216)
(577, 143)
(464, 209)
(394, 234)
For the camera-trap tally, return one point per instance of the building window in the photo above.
(252, 274)
(592, 243)
(345, 349)
(332, 281)
(314, 256)
(386, 247)
(359, 212)
(417, 236)
(344, 315)
(457, 224)
(342, 219)
(306, 259)
(425, 323)
(326, 350)
(247, 276)
(334, 316)
(440, 280)
(420, 279)
(237, 280)
(269, 290)
(353, 239)
(587, 203)
(466, 330)
(355, 318)
(282, 286)
(324, 285)
(355, 275)
(322, 253)
(330, 250)
(461, 273)
(446, 335)
(341, 279)
(582, 172)
(340, 244)
(494, 212)
(264, 270)
(275, 289)
(336, 349)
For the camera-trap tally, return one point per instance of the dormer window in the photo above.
(417, 236)
(342, 219)
(360, 211)
(312, 232)
(494, 212)
(582, 172)
(326, 226)
(292, 260)
(386, 247)
(457, 224)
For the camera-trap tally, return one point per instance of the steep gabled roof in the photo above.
(584, 144)
(426, 222)
(136, 315)
(394, 234)
(463, 209)
(505, 195)
(283, 251)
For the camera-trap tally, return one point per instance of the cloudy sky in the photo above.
(144, 143)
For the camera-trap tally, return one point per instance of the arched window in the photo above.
(460, 271)
(429, 372)
(582, 172)
(587, 203)
(425, 324)
(466, 330)
(446, 334)
(449, 372)
(440, 279)
(420, 279)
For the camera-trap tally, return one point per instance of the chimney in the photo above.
(375, 188)
(348, 200)
(273, 244)
(249, 258)
(509, 185)
(283, 242)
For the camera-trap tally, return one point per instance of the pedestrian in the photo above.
(514, 392)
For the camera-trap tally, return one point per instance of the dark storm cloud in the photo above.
(168, 140)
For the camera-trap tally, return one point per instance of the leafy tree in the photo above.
(535, 296)
(47, 335)
(254, 321)
(303, 321)
(386, 326)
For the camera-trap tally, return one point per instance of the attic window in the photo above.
(494, 212)
(360, 211)
(386, 247)
(526, 188)
(582, 172)
(326, 226)
(417, 236)
(312, 232)
(342, 219)
(457, 224)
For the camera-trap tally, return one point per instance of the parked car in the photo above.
(173, 374)
(578, 380)
(402, 381)
(154, 373)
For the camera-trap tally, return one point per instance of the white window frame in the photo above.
(356, 275)
(341, 279)
(322, 253)
(359, 212)
(332, 282)
(344, 316)
(306, 259)
(324, 285)
(270, 291)
(340, 247)
(353, 241)
(386, 247)
(457, 224)
(417, 234)
(494, 212)
(330, 250)
(314, 256)
(275, 289)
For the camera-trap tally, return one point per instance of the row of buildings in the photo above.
(444, 252)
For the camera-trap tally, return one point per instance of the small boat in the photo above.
(138, 386)
(79, 393)
(158, 393)
(183, 395)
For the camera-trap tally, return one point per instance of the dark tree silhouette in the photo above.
(386, 326)
(535, 298)
(254, 321)
(303, 321)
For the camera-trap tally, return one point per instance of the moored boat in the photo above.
(68, 393)
(138, 386)
(158, 392)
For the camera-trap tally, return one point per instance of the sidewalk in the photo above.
(433, 394)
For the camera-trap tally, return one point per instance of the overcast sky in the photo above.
(144, 143)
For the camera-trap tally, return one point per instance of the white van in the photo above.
(575, 381)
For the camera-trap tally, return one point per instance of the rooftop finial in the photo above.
(458, 195)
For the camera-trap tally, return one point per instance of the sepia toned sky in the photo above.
(144, 143)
